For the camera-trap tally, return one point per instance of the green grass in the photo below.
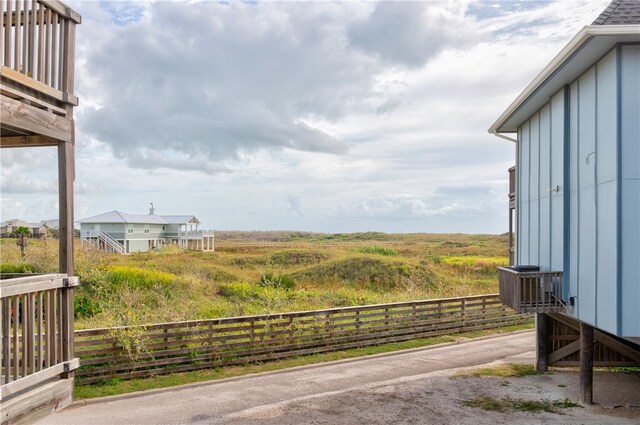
(270, 272)
(507, 404)
(377, 250)
(510, 370)
(117, 386)
(632, 370)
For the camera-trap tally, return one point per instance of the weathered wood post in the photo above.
(586, 364)
(542, 342)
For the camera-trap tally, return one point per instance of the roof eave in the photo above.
(575, 45)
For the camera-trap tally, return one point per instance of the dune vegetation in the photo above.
(269, 272)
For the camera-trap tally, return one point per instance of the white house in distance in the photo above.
(121, 232)
(575, 190)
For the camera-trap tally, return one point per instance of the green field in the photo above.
(269, 272)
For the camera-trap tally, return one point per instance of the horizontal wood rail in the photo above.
(181, 346)
(36, 313)
(531, 292)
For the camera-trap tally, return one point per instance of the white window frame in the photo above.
(146, 229)
(129, 229)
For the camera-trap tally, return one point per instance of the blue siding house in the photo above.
(576, 128)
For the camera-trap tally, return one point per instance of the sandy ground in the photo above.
(421, 386)
(438, 398)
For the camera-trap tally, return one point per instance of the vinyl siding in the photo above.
(630, 190)
(592, 191)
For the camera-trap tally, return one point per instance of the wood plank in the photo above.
(54, 52)
(6, 338)
(16, 345)
(29, 407)
(68, 60)
(65, 204)
(24, 117)
(16, 37)
(558, 355)
(542, 342)
(40, 312)
(586, 364)
(617, 346)
(27, 141)
(63, 10)
(7, 34)
(11, 287)
(33, 25)
(42, 29)
(38, 377)
(27, 81)
(47, 46)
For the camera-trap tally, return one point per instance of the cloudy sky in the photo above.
(321, 116)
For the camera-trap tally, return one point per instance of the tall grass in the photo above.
(305, 272)
(377, 250)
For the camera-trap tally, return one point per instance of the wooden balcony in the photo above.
(531, 291)
(37, 345)
(37, 54)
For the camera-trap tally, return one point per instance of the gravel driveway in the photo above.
(410, 387)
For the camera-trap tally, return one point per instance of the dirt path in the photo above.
(412, 387)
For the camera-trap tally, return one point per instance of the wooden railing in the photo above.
(37, 52)
(132, 352)
(531, 291)
(37, 329)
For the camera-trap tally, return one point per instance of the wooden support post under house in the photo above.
(542, 342)
(586, 364)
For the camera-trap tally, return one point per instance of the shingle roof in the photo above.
(120, 217)
(181, 219)
(620, 12)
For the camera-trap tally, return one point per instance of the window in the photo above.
(130, 228)
(146, 228)
(164, 227)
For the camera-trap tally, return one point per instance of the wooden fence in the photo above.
(162, 348)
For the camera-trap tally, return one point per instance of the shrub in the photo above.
(85, 307)
(239, 291)
(379, 250)
(297, 257)
(17, 268)
(138, 278)
(277, 281)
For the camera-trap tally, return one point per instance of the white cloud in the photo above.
(314, 116)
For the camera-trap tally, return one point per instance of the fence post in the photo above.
(67, 328)
(386, 316)
(413, 314)
(327, 325)
(484, 308)
(463, 313)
